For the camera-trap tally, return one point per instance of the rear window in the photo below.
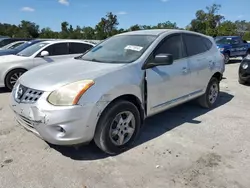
(208, 43)
(78, 48)
(196, 44)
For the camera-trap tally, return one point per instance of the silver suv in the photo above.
(106, 93)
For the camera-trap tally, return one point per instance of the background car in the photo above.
(244, 71)
(13, 66)
(12, 45)
(6, 41)
(20, 47)
(232, 46)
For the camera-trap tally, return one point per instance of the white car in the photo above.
(13, 66)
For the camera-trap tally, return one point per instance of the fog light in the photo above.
(61, 131)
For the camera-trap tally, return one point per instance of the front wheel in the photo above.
(12, 77)
(227, 57)
(242, 82)
(211, 95)
(118, 127)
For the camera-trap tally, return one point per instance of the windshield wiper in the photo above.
(94, 60)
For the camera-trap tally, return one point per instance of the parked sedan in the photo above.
(13, 66)
(244, 71)
(6, 41)
(20, 48)
(12, 45)
(105, 94)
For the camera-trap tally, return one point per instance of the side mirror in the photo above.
(160, 60)
(44, 53)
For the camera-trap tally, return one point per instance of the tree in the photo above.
(207, 22)
(227, 28)
(29, 29)
(48, 33)
(107, 26)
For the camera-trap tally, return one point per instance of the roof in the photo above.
(54, 41)
(147, 32)
(159, 32)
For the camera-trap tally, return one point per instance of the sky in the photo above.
(50, 13)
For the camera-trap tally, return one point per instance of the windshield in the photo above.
(23, 46)
(120, 49)
(29, 51)
(225, 40)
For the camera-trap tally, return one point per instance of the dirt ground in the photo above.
(185, 147)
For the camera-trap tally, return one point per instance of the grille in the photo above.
(28, 95)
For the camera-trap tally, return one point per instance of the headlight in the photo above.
(69, 94)
(245, 66)
(221, 49)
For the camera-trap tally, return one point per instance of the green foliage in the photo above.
(207, 21)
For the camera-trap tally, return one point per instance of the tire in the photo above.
(242, 82)
(106, 125)
(12, 77)
(204, 100)
(227, 57)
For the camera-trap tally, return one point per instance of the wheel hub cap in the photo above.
(213, 94)
(122, 128)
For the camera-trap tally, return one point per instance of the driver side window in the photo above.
(172, 45)
(57, 49)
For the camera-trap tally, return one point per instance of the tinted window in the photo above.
(208, 43)
(57, 49)
(78, 48)
(172, 45)
(195, 44)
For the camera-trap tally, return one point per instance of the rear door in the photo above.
(57, 52)
(201, 60)
(76, 48)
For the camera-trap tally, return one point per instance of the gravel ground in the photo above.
(185, 147)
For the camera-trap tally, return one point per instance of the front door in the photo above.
(57, 53)
(168, 85)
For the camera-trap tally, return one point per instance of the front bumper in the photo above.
(56, 125)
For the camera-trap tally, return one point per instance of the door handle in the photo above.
(184, 70)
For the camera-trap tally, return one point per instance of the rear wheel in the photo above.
(211, 96)
(118, 127)
(12, 77)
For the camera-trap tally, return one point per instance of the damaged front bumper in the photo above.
(57, 125)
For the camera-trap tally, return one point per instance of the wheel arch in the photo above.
(12, 69)
(218, 75)
(127, 97)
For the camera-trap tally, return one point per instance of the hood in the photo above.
(223, 45)
(11, 58)
(52, 76)
(7, 52)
